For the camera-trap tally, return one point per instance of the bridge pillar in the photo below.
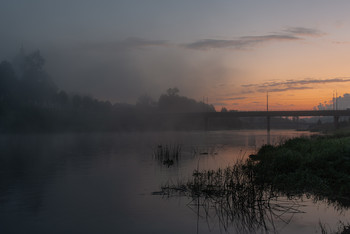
(336, 122)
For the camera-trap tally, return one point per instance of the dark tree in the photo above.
(223, 109)
(36, 85)
(173, 91)
(172, 102)
(8, 81)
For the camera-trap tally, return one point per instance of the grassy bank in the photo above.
(319, 166)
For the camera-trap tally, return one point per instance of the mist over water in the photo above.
(105, 103)
(103, 183)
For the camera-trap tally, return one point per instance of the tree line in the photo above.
(31, 101)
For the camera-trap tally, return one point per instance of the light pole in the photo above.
(267, 117)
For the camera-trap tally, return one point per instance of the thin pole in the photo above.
(267, 118)
(267, 101)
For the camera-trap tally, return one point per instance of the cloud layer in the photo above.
(280, 86)
(231, 99)
(121, 70)
(306, 32)
(246, 42)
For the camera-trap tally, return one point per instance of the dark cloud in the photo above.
(276, 37)
(289, 34)
(283, 89)
(307, 81)
(276, 86)
(300, 31)
(242, 43)
(231, 99)
(219, 104)
(216, 44)
(248, 85)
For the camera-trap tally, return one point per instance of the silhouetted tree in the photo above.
(173, 91)
(172, 102)
(30, 101)
(8, 81)
(223, 109)
(36, 86)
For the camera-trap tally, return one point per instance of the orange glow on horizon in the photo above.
(288, 100)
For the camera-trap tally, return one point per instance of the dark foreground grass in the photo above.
(319, 166)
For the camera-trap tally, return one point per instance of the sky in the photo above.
(229, 52)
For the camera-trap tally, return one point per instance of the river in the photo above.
(108, 183)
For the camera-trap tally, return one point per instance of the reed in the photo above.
(342, 228)
(232, 196)
(167, 154)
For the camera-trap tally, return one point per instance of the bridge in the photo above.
(275, 113)
(268, 114)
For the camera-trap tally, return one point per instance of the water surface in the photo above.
(103, 183)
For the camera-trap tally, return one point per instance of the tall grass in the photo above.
(342, 228)
(167, 154)
(232, 196)
(319, 166)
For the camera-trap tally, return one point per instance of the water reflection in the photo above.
(247, 208)
(28, 163)
(257, 217)
(231, 199)
(102, 183)
(167, 154)
(171, 154)
(252, 140)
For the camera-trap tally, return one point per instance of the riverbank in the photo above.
(316, 167)
(319, 166)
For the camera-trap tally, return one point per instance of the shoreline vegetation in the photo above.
(317, 167)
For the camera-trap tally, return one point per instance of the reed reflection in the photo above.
(232, 199)
(169, 155)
